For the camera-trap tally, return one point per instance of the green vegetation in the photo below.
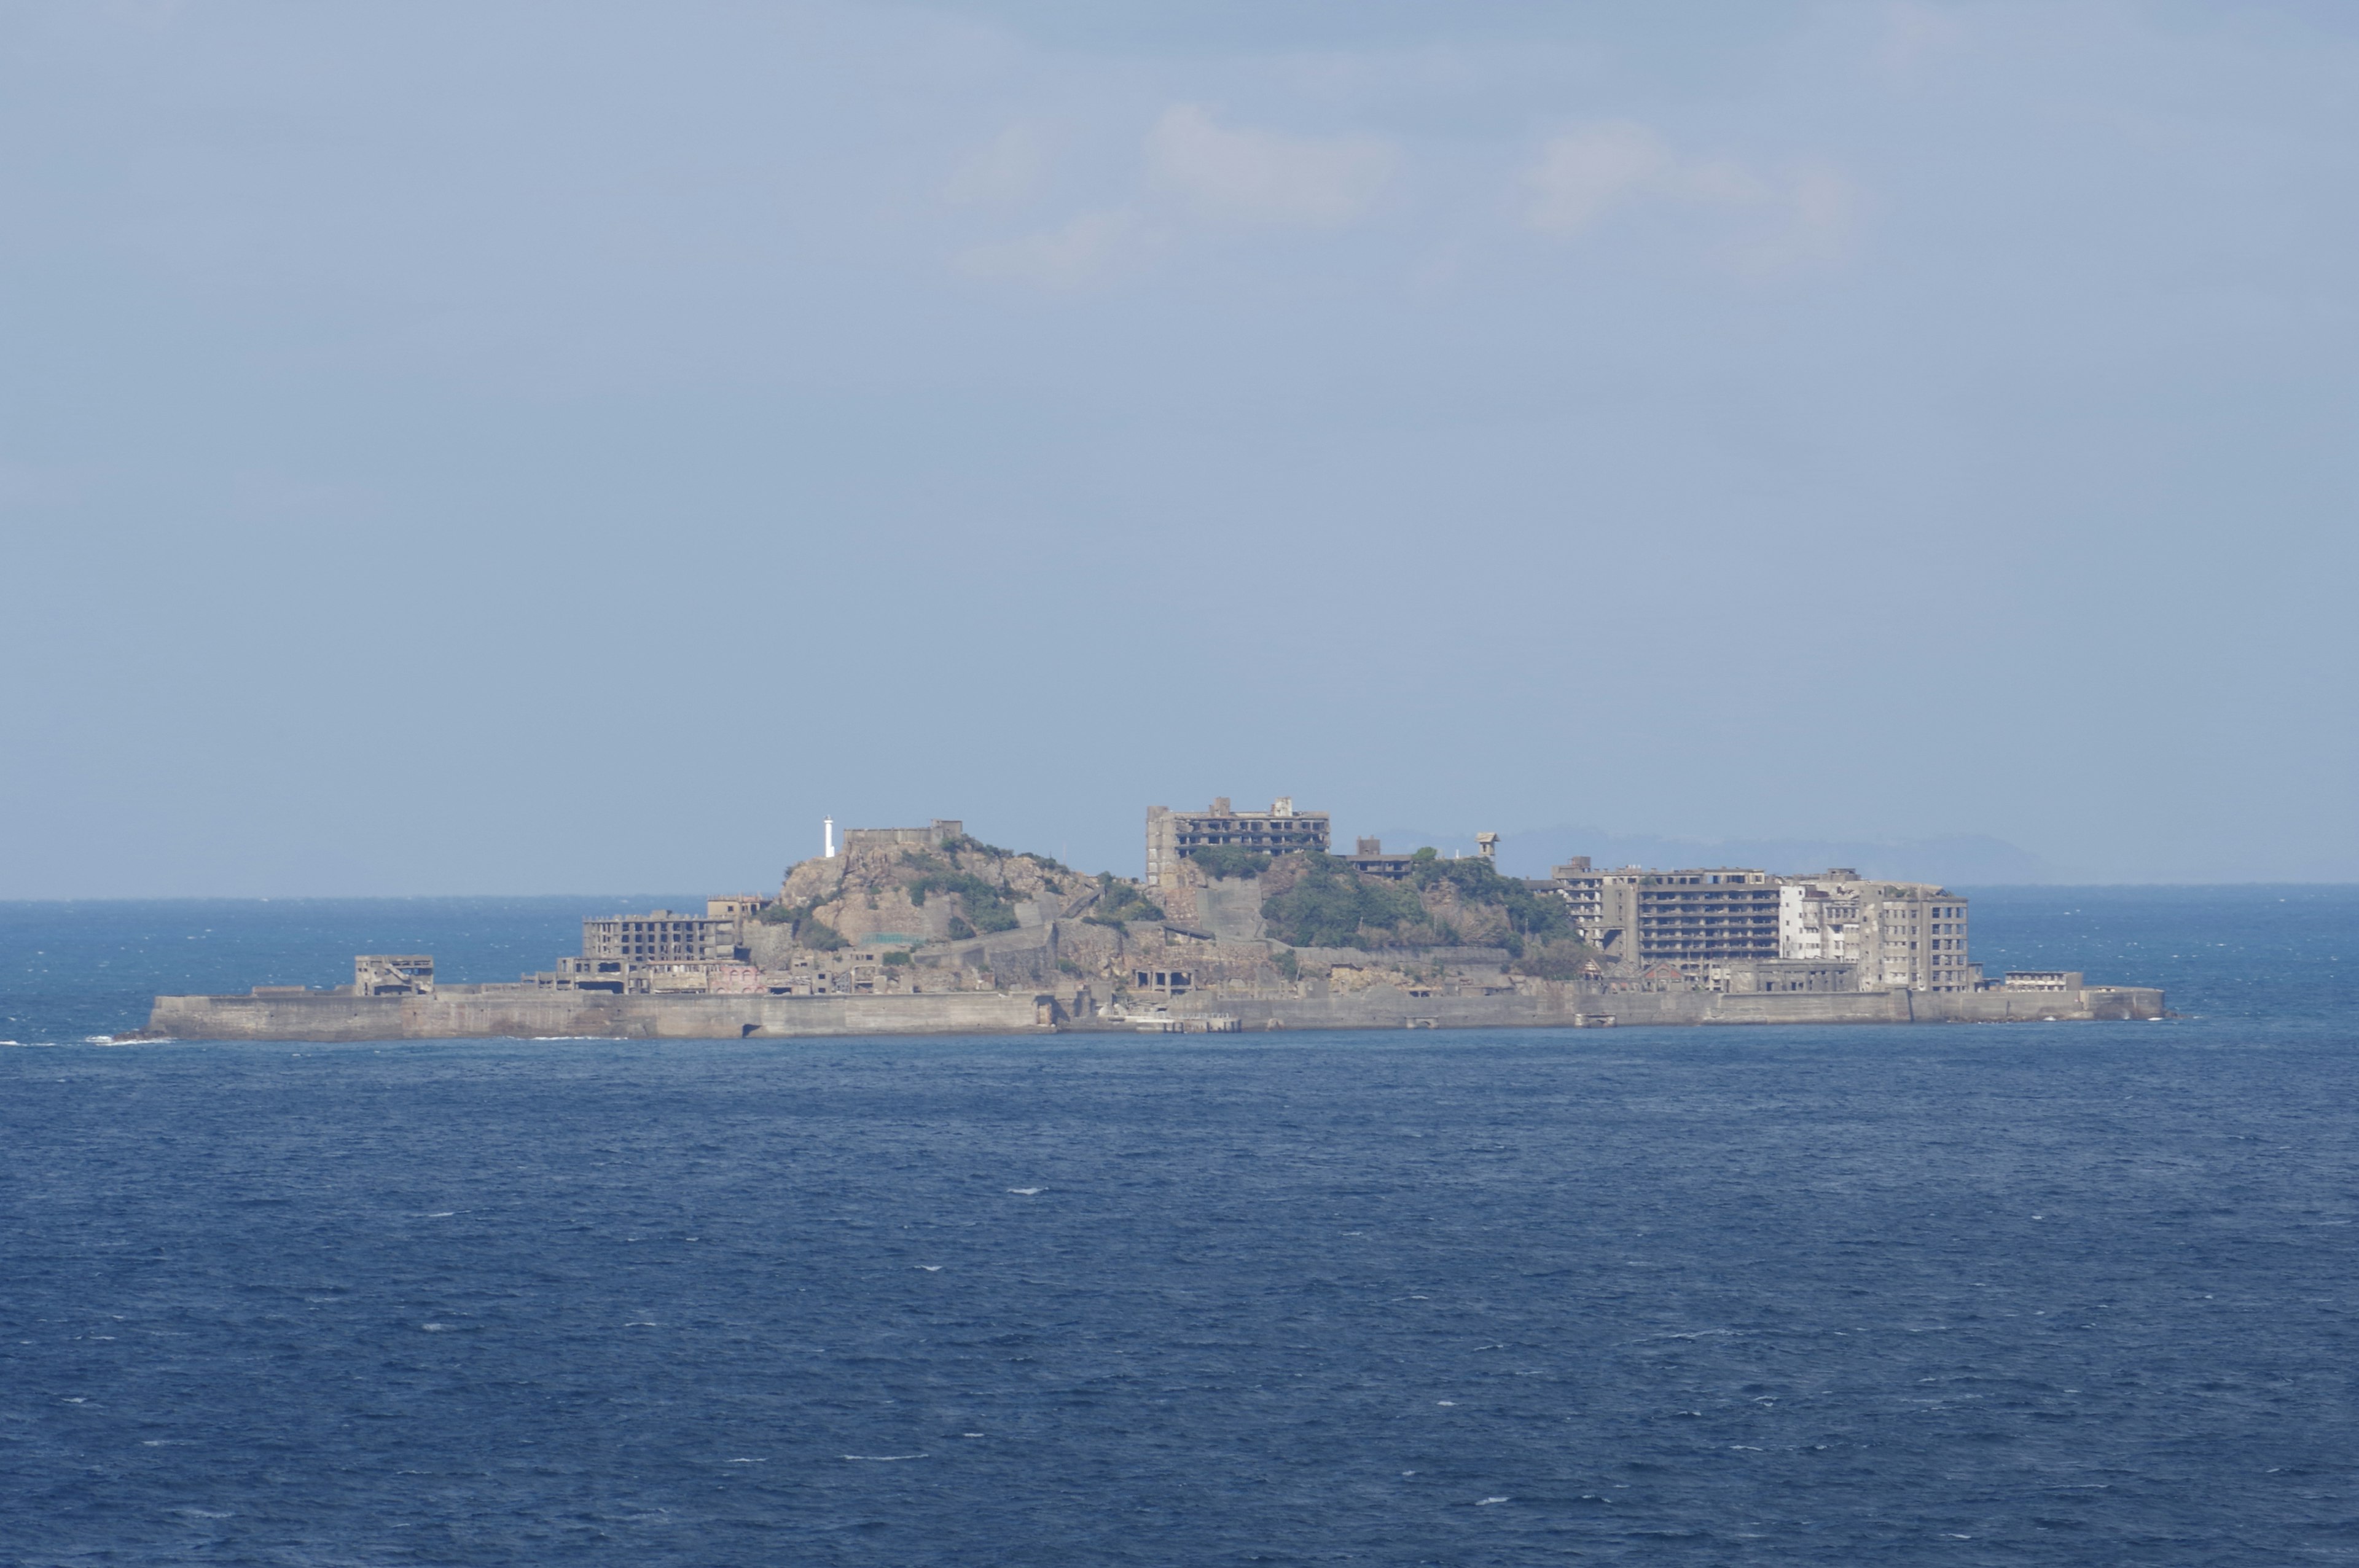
(968, 842)
(1286, 964)
(959, 929)
(809, 929)
(1229, 861)
(1118, 901)
(896, 959)
(1529, 915)
(1330, 904)
(997, 917)
(1552, 960)
(985, 904)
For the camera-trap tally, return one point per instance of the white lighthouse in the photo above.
(827, 837)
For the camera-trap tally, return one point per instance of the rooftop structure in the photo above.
(944, 830)
(1173, 835)
(1368, 859)
(738, 906)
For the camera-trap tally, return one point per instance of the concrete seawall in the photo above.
(529, 1012)
(1384, 1007)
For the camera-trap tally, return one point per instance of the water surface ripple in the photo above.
(2031, 1294)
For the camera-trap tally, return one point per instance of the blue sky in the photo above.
(517, 448)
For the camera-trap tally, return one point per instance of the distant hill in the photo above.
(1963, 861)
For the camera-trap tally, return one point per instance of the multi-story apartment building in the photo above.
(1695, 918)
(662, 936)
(1582, 887)
(1816, 925)
(1903, 935)
(1173, 835)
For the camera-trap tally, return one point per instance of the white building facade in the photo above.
(1903, 935)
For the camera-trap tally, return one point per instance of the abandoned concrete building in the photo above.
(1778, 977)
(1737, 928)
(661, 935)
(1173, 835)
(1162, 983)
(942, 830)
(1692, 918)
(1368, 859)
(393, 974)
(1903, 935)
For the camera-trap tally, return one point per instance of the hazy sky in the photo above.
(515, 447)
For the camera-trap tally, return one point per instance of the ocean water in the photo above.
(2027, 1294)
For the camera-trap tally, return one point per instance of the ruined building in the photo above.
(1903, 935)
(1692, 919)
(1173, 835)
(1747, 930)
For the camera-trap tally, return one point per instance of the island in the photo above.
(1244, 921)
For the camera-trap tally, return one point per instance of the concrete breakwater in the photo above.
(532, 1013)
(1571, 1007)
(536, 1013)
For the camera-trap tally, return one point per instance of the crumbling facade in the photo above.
(1368, 859)
(661, 937)
(393, 974)
(1173, 835)
(942, 830)
(1692, 919)
(1902, 936)
(1716, 923)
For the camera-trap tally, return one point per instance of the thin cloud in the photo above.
(1262, 176)
(1913, 33)
(1801, 216)
(1582, 175)
(1006, 171)
(1196, 172)
(1079, 252)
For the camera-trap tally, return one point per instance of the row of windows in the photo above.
(1248, 838)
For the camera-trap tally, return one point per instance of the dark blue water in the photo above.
(2042, 1293)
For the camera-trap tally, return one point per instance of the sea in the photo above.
(2037, 1293)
